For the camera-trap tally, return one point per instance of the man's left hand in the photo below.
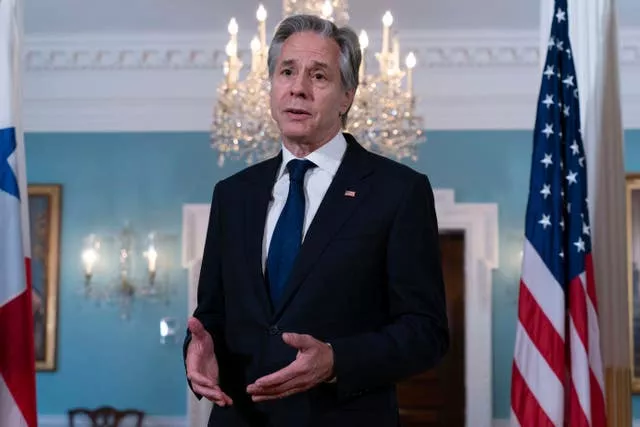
(313, 365)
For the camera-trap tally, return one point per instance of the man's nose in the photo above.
(300, 86)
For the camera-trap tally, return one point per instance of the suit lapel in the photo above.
(256, 204)
(343, 196)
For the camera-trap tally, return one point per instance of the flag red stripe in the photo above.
(591, 283)
(598, 405)
(17, 365)
(542, 333)
(576, 416)
(578, 310)
(524, 404)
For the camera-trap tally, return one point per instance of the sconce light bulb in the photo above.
(89, 258)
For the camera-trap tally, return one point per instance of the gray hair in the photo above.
(345, 37)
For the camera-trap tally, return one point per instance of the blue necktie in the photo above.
(287, 235)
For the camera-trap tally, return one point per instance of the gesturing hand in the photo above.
(202, 365)
(313, 365)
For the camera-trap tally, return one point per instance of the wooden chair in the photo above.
(105, 416)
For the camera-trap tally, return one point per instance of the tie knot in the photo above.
(297, 168)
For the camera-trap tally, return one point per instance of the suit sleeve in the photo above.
(210, 297)
(417, 336)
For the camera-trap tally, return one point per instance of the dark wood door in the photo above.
(437, 398)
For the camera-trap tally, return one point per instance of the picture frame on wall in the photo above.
(44, 230)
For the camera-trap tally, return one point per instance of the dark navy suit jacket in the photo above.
(367, 280)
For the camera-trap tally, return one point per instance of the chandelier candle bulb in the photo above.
(364, 44)
(327, 10)
(395, 58)
(261, 15)
(410, 62)
(255, 54)
(387, 21)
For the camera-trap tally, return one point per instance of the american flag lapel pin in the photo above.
(350, 193)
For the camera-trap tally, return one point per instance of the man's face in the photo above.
(307, 96)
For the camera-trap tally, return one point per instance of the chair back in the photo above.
(105, 416)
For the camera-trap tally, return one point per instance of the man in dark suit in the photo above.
(321, 282)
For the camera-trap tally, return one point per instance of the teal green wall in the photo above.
(145, 178)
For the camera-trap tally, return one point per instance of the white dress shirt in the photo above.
(316, 182)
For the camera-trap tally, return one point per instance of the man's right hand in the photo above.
(202, 365)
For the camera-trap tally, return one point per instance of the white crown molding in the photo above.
(163, 82)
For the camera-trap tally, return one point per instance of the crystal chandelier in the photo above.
(382, 117)
(118, 271)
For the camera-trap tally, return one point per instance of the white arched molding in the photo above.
(195, 218)
(478, 222)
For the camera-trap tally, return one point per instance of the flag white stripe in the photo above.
(11, 415)
(514, 420)
(544, 287)
(539, 377)
(12, 273)
(580, 370)
(595, 356)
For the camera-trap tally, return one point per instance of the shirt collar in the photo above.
(327, 157)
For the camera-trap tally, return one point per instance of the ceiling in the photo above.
(197, 16)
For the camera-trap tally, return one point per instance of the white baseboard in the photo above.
(62, 421)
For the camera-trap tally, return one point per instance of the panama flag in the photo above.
(17, 363)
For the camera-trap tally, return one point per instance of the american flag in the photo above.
(557, 376)
(17, 361)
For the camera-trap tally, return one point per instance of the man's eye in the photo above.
(286, 72)
(319, 76)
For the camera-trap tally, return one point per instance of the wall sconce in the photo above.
(133, 275)
(168, 330)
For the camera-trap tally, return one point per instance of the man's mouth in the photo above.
(297, 112)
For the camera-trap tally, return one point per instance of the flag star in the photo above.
(579, 245)
(586, 229)
(561, 15)
(560, 46)
(548, 101)
(571, 178)
(581, 161)
(545, 221)
(549, 71)
(569, 53)
(565, 111)
(548, 129)
(547, 160)
(575, 149)
(569, 81)
(561, 223)
(552, 42)
(546, 190)
(561, 254)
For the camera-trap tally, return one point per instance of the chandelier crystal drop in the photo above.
(382, 117)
